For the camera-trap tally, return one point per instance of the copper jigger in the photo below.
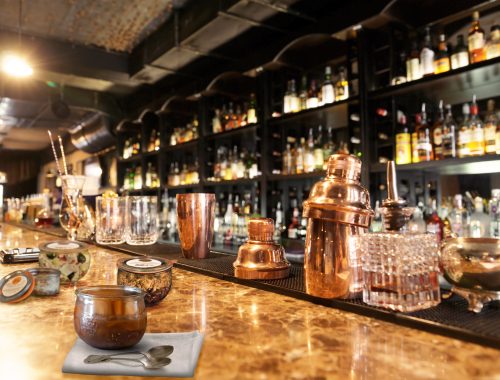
(195, 223)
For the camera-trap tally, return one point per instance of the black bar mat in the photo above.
(450, 318)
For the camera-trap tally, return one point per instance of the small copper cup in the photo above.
(195, 223)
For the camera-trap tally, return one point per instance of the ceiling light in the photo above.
(16, 66)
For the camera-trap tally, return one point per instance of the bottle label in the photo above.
(497, 138)
(427, 61)
(449, 148)
(413, 69)
(327, 93)
(476, 143)
(312, 102)
(476, 41)
(463, 142)
(490, 138)
(414, 148)
(294, 104)
(459, 59)
(442, 65)
(424, 147)
(403, 148)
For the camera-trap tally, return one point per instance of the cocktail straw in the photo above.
(55, 153)
(63, 155)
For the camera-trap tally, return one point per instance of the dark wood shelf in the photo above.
(188, 186)
(150, 190)
(291, 177)
(233, 132)
(186, 145)
(131, 192)
(149, 154)
(450, 166)
(481, 74)
(241, 181)
(311, 112)
(134, 158)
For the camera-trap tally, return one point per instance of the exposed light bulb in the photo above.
(16, 66)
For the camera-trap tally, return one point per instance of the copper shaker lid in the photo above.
(260, 229)
(340, 196)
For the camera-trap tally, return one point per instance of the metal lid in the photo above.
(261, 229)
(145, 264)
(16, 286)
(63, 247)
(339, 197)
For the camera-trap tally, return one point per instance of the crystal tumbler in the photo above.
(142, 220)
(110, 220)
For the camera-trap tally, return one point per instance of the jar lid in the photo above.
(16, 286)
(63, 247)
(144, 264)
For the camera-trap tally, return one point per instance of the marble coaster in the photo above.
(187, 347)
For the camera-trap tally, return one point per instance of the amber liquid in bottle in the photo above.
(437, 134)
(424, 136)
(476, 40)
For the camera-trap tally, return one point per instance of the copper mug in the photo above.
(195, 223)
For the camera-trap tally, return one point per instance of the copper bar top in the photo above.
(250, 333)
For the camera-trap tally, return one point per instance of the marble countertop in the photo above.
(250, 333)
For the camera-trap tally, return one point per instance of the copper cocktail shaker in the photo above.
(260, 258)
(338, 207)
(195, 223)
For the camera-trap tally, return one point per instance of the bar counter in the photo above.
(249, 333)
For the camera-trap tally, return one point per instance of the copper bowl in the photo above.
(109, 316)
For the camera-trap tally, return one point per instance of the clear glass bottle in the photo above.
(460, 56)
(303, 93)
(299, 157)
(309, 163)
(459, 217)
(318, 150)
(413, 70)
(493, 44)
(252, 110)
(490, 129)
(442, 58)
(294, 99)
(327, 90)
(427, 55)
(494, 211)
(479, 222)
(312, 96)
(437, 133)
(287, 160)
(342, 86)
(417, 222)
(279, 224)
(476, 131)
(464, 133)
(476, 40)
(449, 135)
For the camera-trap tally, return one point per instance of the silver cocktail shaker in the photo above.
(338, 207)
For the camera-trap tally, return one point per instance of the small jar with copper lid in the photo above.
(261, 258)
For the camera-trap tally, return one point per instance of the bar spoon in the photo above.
(146, 363)
(154, 354)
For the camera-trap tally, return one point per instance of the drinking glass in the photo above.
(72, 211)
(142, 220)
(110, 220)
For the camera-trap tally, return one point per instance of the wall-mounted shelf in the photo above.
(291, 177)
(187, 186)
(233, 132)
(134, 158)
(241, 181)
(186, 145)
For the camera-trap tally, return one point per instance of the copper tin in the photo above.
(338, 207)
(260, 258)
(195, 223)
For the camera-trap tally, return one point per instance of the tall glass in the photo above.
(110, 220)
(72, 211)
(142, 220)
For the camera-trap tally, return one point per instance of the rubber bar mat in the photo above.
(450, 318)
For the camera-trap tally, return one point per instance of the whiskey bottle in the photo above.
(437, 134)
(424, 136)
(414, 140)
(493, 44)
(342, 86)
(303, 93)
(464, 133)
(399, 75)
(327, 91)
(449, 135)
(312, 96)
(476, 131)
(413, 71)
(216, 122)
(299, 157)
(252, 110)
(318, 150)
(434, 223)
(460, 56)
(476, 40)
(427, 55)
(287, 161)
(442, 59)
(490, 129)
(309, 163)
(403, 144)
(328, 147)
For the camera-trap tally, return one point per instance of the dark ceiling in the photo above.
(119, 56)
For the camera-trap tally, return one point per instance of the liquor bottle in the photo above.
(479, 222)
(376, 224)
(494, 211)
(399, 75)
(464, 133)
(299, 157)
(414, 140)
(149, 175)
(413, 71)
(287, 99)
(308, 149)
(459, 217)
(294, 224)
(294, 99)
(183, 175)
(278, 222)
(476, 131)
(476, 40)
(460, 56)
(230, 118)
(424, 136)
(252, 110)
(303, 93)
(342, 86)
(126, 149)
(427, 55)
(216, 122)
(442, 59)
(312, 96)
(318, 150)
(176, 180)
(328, 147)
(403, 143)
(151, 143)
(327, 91)
(287, 161)
(224, 117)
(417, 223)
(434, 224)
(138, 178)
(493, 44)
(157, 141)
(437, 134)
(490, 129)
(126, 183)
(449, 135)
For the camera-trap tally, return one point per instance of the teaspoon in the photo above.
(153, 354)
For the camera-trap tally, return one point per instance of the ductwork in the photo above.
(92, 134)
